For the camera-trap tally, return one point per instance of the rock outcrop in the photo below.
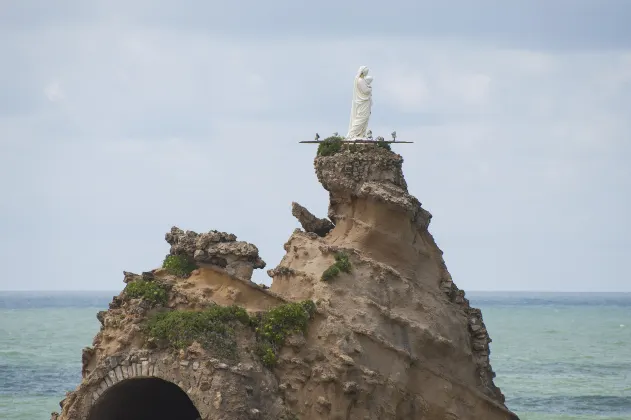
(309, 222)
(362, 321)
(216, 248)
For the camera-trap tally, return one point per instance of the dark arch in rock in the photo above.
(144, 399)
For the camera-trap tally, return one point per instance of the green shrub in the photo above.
(384, 145)
(179, 265)
(283, 320)
(330, 272)
(277, 324)
(212, 328)
(341, 263)
(309, 306)
(267, 354)
(154, 292)
(330, 146)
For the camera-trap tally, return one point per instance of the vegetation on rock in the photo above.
(330, 272)
(179, 265)
(330, 146)
(152, 291)
(274, 326)
(334, 144)
(341, 264)
(384, 145)
(212, 328)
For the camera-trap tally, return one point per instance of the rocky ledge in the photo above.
(309, 222)
(370, 172)
(219, 249)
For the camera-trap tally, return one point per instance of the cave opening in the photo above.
(144, 399)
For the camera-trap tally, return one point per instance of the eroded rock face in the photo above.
(217, 248)
(372, 173)
(309, 222)
(396, 321)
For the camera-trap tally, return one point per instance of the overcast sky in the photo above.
(120, 119)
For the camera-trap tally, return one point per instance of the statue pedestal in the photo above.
(360, 141)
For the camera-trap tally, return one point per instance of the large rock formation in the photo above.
(362, 321)
(411, 343)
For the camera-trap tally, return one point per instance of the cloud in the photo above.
(521, 154)
(525, 24)
(54, 92)
(406, 90)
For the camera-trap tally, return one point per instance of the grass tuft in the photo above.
(330, 146)
(274, 326)
(179, 265)
(341, 264)
(382, 143)
(213, 328)
(152, 291)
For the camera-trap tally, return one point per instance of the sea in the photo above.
(556, 355)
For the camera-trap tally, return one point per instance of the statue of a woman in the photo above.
(360, 108)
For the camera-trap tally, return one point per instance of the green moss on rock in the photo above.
(152, 291)
(179, 265)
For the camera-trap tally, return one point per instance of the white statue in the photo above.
(362, 102)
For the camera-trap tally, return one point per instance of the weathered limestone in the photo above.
(480, 339)
(220, 249)
(309, 222)
(372, 173)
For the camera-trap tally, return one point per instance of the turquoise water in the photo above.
(557, 356)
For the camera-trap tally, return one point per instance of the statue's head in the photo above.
(363, 71)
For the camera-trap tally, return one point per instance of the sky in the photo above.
(120, 119)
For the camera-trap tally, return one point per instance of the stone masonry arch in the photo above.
(199, 385)
(143, 398)
(143, 369)
(144, 387)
